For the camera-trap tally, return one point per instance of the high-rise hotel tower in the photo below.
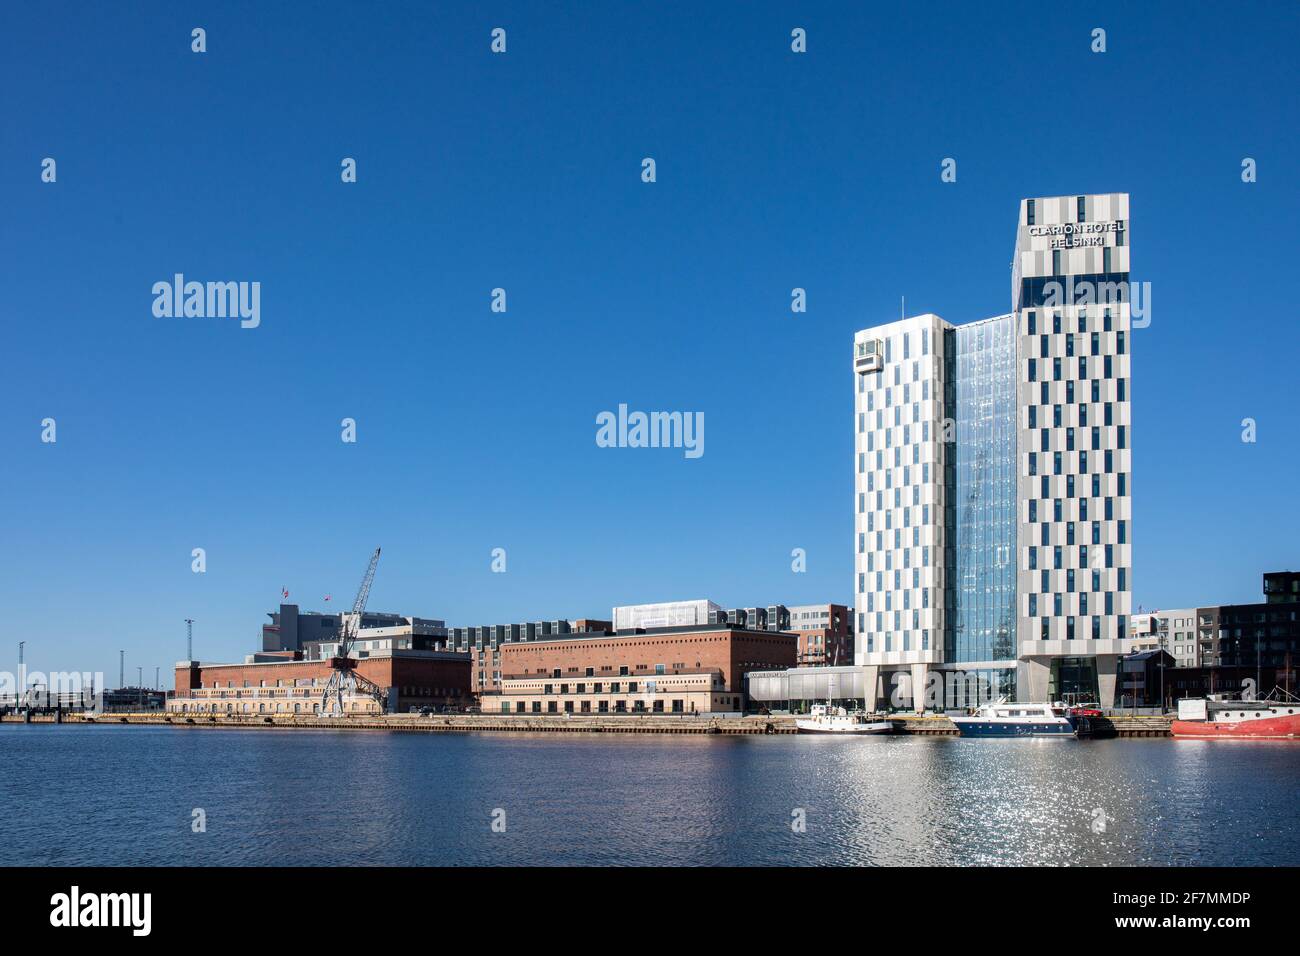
(993, 478)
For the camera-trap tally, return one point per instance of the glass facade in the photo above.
(983, 584)
(1106, 288)
(980, 686)
(797, 689)
(1074, 680)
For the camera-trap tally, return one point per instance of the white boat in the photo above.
(1015, 720)
(825, 719)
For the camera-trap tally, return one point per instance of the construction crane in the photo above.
(344, 679)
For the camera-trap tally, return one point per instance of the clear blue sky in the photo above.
(476, 430)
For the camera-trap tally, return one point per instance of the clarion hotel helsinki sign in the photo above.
(1066, 235)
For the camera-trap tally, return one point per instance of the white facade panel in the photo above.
(666, 614)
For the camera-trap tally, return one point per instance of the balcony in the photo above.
(868, 356)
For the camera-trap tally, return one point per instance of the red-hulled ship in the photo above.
(1238, 719)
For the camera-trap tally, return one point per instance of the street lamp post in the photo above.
(1161, 643)
(1259, 675)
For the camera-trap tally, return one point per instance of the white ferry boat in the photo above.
(825, 719)
(1015, 720)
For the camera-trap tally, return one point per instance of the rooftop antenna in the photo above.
(902, 307)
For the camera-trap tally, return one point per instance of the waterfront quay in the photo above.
(1119, 725)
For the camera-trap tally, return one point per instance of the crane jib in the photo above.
(345, 678)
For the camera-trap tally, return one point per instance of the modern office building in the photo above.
(993, 479)
(404, 634)
(1265, 635)
(1282, 587)
(1173, 631)
(1181, 627)
(1230, 636)
(1242, 649)
(667, 614)
(795, 690)
(1207, 636)
(291, 629)
(1146, 681)
(1229, 681)
(772, 617)
(825, 633)
(128, 699)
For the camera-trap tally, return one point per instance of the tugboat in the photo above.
(828, 718)
(1214, 718)
(1002, 719)
(825, 719)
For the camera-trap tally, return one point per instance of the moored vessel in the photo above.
(825, 719)
(1210, 719)
(1002, 719)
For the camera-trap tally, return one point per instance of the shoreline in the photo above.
(906, 725)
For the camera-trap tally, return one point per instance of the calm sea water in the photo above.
(126, 796)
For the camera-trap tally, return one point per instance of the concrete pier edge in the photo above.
(910, 724)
